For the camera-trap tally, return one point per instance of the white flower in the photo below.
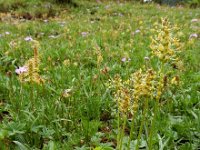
(137, 31)
(146, 1)
(194, 20)
(146, 58)
(28, 38)
(84, 34)
(124, 59)
(194, 35)
(21, 70)
(45, 21)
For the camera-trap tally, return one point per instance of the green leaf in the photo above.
(52, 145)
(20, 145)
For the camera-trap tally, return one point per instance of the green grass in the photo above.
(85, 120)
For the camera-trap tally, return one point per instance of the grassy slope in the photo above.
(71, 122)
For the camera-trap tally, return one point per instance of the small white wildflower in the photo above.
(145, 1)
(45, 21)
(124, 59)
(146, 58)
(84, 34)
(194, 35)
(194, 20)
(21, 70)
(28, 38)
(137, 31)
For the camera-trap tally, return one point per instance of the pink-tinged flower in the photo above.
(124, 59)
(7, 33)
(21, 70)
(194, 20)
(28, 38)
(84, 34)
(194, 35)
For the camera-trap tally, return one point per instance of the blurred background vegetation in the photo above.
(9, 5)
(42, 9)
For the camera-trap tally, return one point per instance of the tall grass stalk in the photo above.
(118, 129)
(156, 111)
(122, 132)
(145, 109)
(152, 128)
(132, 130)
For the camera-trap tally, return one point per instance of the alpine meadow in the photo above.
(99, 75)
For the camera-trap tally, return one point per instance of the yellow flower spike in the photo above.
(124, 102)
(30, 70)
(136, 78)
(36, 58)
(99, 59)
(160, 86)
(32, 73)
(99, 55)
(122, 94)
(165, 46)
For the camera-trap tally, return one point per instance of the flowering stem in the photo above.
(122, 132)
(32, 97)
(142, 123)
(21, 93)
(152, 129)
(131, 132)
(118, 131)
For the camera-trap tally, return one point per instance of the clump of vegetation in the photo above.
(6, 6)
(148, 87)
